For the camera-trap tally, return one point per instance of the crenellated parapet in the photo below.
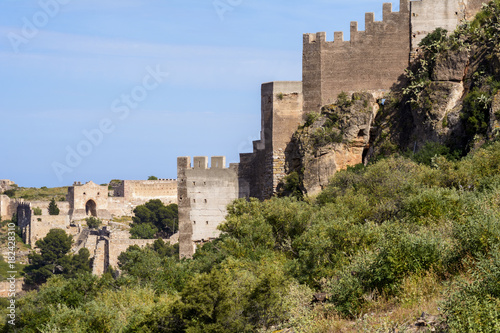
(373, 29)
(370, 60)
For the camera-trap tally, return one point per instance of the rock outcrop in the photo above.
(331, 141)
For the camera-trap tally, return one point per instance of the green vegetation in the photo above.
(291, 186)
(152, 178)
(384, 243)
(37, 211)
(93, 222)
(399, 235)
(154, 219)
(41, 194)
(53, 209)
(54, 259)
(10, 193)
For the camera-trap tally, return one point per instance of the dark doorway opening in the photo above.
(91, 208)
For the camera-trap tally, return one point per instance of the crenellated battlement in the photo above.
(372, 59)
(389, 20)
(201, 163)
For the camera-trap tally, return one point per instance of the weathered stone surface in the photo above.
(318, 162)
(450, 66)
(437, 116)
(494, 125)
(204, 193)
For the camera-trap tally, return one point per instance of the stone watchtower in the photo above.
(203, 195)
(372, 60)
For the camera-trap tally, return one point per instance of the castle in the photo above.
(117, 199)
(372, 61)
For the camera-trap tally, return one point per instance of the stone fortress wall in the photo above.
(374, 59)
(203, 195)
(281, 113)
(90, 199)
(7, 206)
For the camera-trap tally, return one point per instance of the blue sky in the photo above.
(191, 69)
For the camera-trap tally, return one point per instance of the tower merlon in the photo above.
(338, 36)
(218, 162)
(200, 162)
(386, 10)
(369, 18)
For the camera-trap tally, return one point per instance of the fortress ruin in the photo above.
(372, 61)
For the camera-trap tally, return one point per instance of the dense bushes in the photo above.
(374, 233)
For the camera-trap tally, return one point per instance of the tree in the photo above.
(54, 259)
(152, 178)
(163, 218)
(10, 193)
(143, 231)
(53, 209)
(93, 222)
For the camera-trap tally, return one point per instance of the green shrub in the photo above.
(476, 115)
(37, 211)
(475, 307)
(431, 206)
(10, 193)
(402, 252)
(291, 186)
(343, 99)
(430, 151)
(93, 222)
(143, 231)
(53, 209)
(311, 118)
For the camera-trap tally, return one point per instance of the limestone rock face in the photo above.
(450, 66)
(438, 113)
(334, 140)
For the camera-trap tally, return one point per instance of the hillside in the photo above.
(408, 242)
(39, 194)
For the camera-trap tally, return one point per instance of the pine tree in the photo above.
(53, 209)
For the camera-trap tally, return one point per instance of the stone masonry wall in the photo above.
(281, 109)
(4, 207)
(41, 225)
(204, 194)
(163, 189)
(372, 59)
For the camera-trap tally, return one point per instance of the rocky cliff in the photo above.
(449, 96)
(331, 140)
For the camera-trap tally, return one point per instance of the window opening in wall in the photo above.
(194, 183)
(205, 200)
(199, 164)
(194, 222)
(207, 222)
(194, 200)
